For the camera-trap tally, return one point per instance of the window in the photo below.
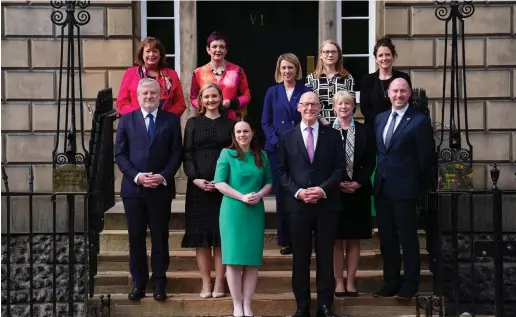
(356, 34)
(161, 19)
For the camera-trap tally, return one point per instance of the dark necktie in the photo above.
(390, 131)
(151, 128)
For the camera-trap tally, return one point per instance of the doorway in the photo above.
(258, 32)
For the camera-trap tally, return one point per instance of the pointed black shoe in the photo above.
(300, 313)
(285, 251)
(136, 294)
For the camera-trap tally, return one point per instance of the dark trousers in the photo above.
(155, 213)
(397, 224)
(323, 223)
(281, 215)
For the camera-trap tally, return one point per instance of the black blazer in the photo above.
(364, 161)
(372, 99)
(296, 172)
(135, 153)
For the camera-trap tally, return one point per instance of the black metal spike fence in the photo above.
(50, 240)
(471, 234)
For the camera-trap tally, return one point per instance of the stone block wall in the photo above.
(490, 46)
(30, 73)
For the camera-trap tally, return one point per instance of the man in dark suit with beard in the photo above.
(148, 152)
(404, 141)
(311, 160)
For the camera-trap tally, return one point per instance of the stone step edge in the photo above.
(182, 231)
(262, 274)
(183, 297)
(189, 253)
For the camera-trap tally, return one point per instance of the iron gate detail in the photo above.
(471, 234)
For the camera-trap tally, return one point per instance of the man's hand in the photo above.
(144, 178)
(153, 180)
(314, 194)
(226, 103)
(251, 198)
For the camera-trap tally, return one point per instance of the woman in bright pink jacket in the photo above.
(150, 62)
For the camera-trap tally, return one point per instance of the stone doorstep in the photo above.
(185, 260)
(114, 218)
(263, 305)
(270, 282)
(118, 240)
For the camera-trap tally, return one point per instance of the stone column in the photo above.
(327, 23)
(188, 62)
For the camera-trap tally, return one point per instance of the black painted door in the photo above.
(258, 33)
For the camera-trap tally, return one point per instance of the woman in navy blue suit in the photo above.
(280, 114)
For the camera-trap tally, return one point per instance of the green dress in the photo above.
(242, 226)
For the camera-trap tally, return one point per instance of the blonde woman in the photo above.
(329, 77)
(205, 137)
(356, 189)
(280, 114)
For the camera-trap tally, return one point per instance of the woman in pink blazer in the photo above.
(150, 62)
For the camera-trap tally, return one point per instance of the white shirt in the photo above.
(147, 121)
(304, 133)
(401, 113)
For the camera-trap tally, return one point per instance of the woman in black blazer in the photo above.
(355, 217)
(373, 94)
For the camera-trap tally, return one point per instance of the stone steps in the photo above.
(269, 282)
(114, 218)
(274, 288)
(185, 260)
(118, 240)
(265, 305)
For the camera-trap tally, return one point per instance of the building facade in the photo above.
(259, 32)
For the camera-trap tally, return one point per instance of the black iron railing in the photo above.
(471, 234)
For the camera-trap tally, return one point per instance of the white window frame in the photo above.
(143, 25)
(371, 37)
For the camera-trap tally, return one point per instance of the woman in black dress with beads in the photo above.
(205, 137)
(373, 94)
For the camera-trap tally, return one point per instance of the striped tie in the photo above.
(350, 151)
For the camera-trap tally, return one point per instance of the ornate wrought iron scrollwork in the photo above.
(429, 305)
(462, 10)
(455, 162)
(78, 18)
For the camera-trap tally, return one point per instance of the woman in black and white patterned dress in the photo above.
(329, 77)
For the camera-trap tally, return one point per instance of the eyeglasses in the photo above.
(309, 104)
(330, 52)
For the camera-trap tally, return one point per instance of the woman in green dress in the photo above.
(243, 176)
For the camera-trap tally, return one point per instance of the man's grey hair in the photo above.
(148, 82)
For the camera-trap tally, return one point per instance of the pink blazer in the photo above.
(127, 100)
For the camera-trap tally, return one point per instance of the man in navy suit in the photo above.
(148, 152)
(311, 161)
(404, 140)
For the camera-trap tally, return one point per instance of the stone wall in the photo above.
(30, 61)
(45, 268)
(491, 76)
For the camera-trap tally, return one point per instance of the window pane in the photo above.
(171, 63)
(160, 8)
(355, 36)
(355, 8)
(358, 67)
(163, 30)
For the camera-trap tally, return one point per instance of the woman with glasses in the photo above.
(329, 77)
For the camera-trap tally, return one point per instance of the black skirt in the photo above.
(355, 221)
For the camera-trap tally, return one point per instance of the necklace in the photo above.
(218, 72)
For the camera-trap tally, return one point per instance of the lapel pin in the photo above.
(408, 119)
